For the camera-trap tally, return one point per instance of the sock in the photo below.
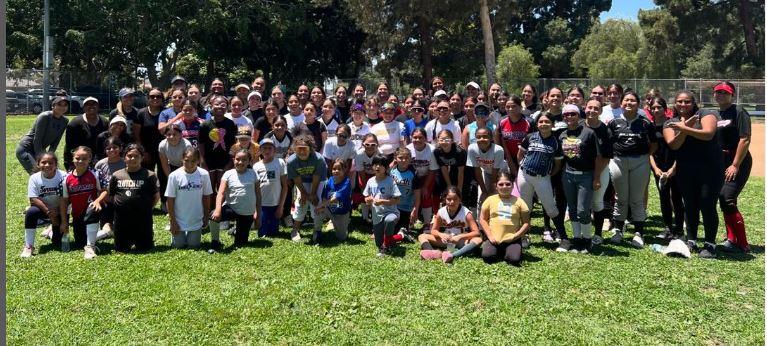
(599, 222)
(397, 238)
(739, 228)
(388, 241)
(90, 233)
(29, 237)
(586, 231)
(576, 228)
(639, 227)
(464, 250)
(427, 214)
(214, 230)
(728, 222)
(426, 246)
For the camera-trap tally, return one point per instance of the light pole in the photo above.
(47, 54)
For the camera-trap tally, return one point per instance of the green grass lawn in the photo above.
(280, 292)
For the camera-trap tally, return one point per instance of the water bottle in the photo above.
(657, 247)
(65, 243)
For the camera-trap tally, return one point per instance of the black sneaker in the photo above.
(564, 245)
(216, 245)
(382, 252)
(666, 234)
(729, 246)
(708, 252)
(692, 245)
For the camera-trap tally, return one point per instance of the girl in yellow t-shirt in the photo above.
(505, 219)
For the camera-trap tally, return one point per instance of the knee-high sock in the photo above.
(29, 236)
(586, 231)
(576, 228)
(90, 233)
(214, 230)
(464, 250)
(735, 221)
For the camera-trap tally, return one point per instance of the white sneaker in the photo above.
(89, 252)
(105, 232)
(637, 241)
(596, 240)
(295, 236)
(27, 252)
(617, 237)
(547, 238)
(525, 242)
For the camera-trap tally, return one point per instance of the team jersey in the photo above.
(456, 224)
(81, 190)
(513, 133)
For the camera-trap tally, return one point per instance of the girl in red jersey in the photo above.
(513, 129)
(83, 191)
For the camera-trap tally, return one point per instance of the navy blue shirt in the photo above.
(540, 153)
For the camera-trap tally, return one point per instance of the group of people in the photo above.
(467, 166)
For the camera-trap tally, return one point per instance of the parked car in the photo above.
(21, 102)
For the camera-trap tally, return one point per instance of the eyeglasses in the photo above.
(342, 135)
(445, 140)
(155, 97)
(417, 109)
(442, 109)
(570, 114)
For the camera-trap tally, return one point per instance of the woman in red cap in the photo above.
(734, 129)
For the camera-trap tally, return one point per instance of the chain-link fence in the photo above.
(24, 88)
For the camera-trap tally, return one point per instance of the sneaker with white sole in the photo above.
(596, 240)
(525, 242)
(547, 238)
(617, 237)
(564, 246)
(27, 252)
(89, 252)
(708, 252)
(405, 236)
(295, 236)
(637, 241)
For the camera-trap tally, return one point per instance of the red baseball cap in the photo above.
(725, 87)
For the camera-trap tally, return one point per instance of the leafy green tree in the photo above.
(610, 50)
(516, 66)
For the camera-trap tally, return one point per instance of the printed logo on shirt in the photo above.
(46, 191)
(723, 123)
(571, 146)
(505, 210)
(306, 170)
(191, 185)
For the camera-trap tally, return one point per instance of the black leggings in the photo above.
(242, 224)
(671, 203)
(700, 188)
(34, 217)
(728, 197)
(561, 201)
(133, 226)
(78, 227)
(511, 252)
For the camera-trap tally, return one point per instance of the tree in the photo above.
(516, 66)
(487, 39)
(661, 34)
(610, 50)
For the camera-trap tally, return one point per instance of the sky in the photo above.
(626, 9)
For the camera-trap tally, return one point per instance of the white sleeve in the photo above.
(64, 192)
(498, 161)
(283, 167)
(207, 187)
(170, 190)
(32, 185)
(429, 128)
(327, 149)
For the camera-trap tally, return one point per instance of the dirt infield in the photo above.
(757, 148)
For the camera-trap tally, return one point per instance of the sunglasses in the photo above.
(570, 114)
(370, 145)
(445, 140)
(342, 135)
(596, 93)
(417, 109)
(442, 109)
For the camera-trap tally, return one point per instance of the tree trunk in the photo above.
(748, 30)
(424, 30)
(487, 37)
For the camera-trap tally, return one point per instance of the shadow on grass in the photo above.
(328, 239)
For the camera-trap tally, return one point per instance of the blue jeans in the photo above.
(579, 191)
(269, 224)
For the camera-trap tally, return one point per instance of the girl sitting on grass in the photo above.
(504, 219)
(238, 199)
(453, 229)
(337, 200)
(188, 198)
(44, 192)
(83, 191)
(382, 194)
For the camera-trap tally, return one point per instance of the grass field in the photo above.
(280, 292)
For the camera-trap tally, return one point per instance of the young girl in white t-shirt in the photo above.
(238, 199)
(188, 201)
(44, 192)
(454, 229)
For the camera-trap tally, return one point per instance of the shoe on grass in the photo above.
(666, 234)
(692, 245)
(708, 252)
(637, 241)
(564, 246)
(447, 257)
(382, 252)
(47, 232)
(596, 240)
(431, 254)
(617, 236)
(27, 251)
(89, 252)
(547, 238)
(587, 247)
(729, 246)
(295, 236)
(405, 236)
(315, 237)
(216, 245)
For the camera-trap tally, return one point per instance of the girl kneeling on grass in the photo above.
(337, 200)
(241, 191)
(454, 220)
(134, 191)
(44, 192)
(188, 198)
(113, 162)
(504, 219)
(382, 194)
(82, 189)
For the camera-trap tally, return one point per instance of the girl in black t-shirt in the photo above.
(602, 210)
(663, 163)
(692, 133)
(735, 137)
(134, 192)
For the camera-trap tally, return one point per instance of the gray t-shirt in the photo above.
(175, 154)
(241, 191)
(106, 169)
(314, 165)
(385, 189)
(270, 177)
(45, 134)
